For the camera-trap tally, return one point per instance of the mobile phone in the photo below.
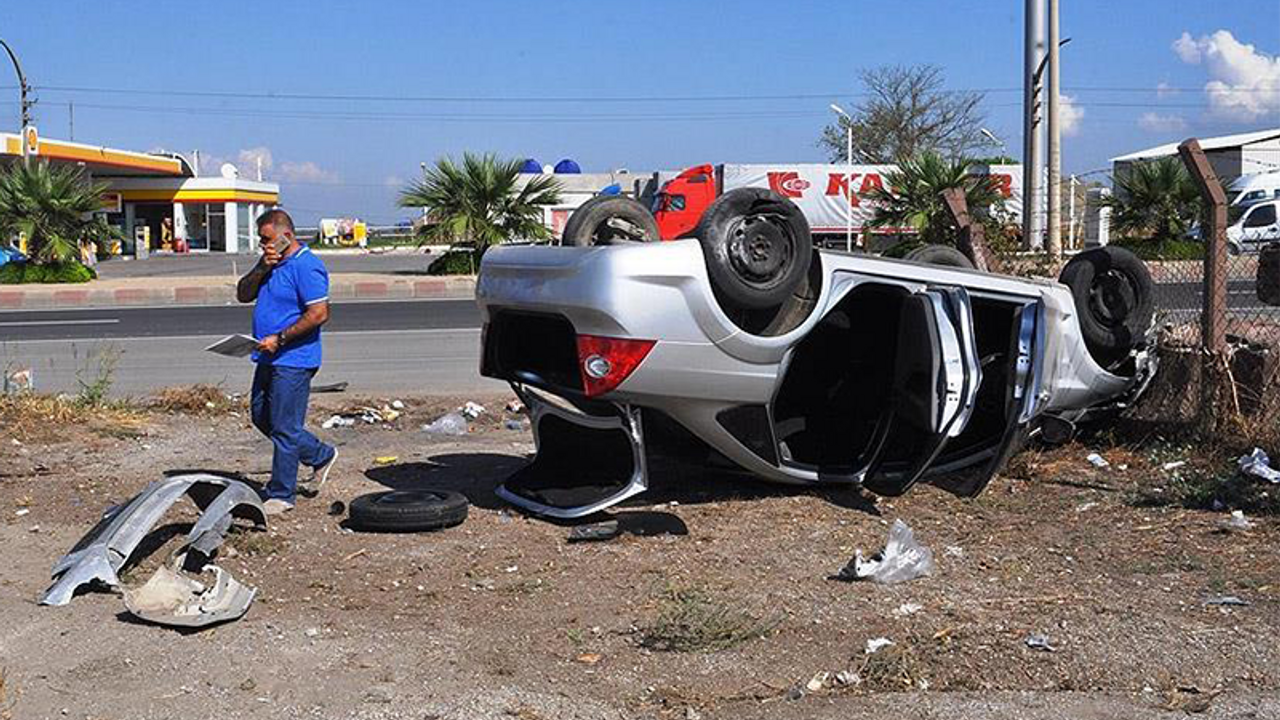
(280, 244)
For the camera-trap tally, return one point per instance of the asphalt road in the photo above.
(381, 347)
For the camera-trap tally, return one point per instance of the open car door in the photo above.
(935, 385)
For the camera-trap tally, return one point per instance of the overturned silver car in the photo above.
(798, 365)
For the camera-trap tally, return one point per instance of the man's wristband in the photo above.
(282, 337)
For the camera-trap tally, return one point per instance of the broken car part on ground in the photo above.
(799, 366)
(105, 549)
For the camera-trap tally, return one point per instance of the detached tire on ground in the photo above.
(757, 247)
(408, 510)
(942, 255)
(1114, 298)
(606, 219)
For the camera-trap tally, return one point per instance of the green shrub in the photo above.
(455, 262)
(1151, 249)
(31, 273)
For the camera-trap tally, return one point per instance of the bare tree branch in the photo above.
(907, 111)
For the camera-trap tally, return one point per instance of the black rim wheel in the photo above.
(759, 250)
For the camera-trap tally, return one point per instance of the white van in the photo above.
(1257, 226)
(1252, 189)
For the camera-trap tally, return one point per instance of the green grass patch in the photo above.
(29, 273)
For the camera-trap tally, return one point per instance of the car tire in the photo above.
(943, 255)
(757, 247)
(1268, 275)
(1114, 298)
(408, 510)
(590, 223)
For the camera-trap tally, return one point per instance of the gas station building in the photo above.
(213, 214)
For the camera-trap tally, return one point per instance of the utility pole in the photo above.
(1054, 241)
(71, 120)
(24, 90)
(1034, 49)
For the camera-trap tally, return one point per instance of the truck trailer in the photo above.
(833, 198)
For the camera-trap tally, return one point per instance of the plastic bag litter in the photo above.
(1237, 521)
(1097, 460)
(1258, 464)
(902, 559)
(451, 424)
(472, 410)
(338, 421)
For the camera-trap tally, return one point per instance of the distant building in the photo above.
(213, 214)
(1231, 156)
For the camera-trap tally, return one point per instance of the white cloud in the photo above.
(1069, 115)
(306, 172)
(395, 182)
(1244, 83)
(1164, 90)
(247, 161)
(1154, 122)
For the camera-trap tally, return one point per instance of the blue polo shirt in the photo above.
(297, 281)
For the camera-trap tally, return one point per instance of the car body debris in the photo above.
(1040, 642)
(1097, 460)
(1258, 464)
(472, 410)
(173, 598)
(1226, 600)
(99, 555)
(875, 645)
(901, 560)
(368, 415)
(595, 532)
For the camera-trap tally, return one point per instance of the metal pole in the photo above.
(23, 90)
(1053, 242)
(1071, 221)
(848, 205)
(71, 120)
(1033, 47)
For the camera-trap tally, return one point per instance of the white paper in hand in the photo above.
(237, 346)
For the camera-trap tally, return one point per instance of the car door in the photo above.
(1259, 226)
(936, 378)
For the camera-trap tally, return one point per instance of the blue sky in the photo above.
(475, 72)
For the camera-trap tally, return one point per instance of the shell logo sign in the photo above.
(31, 140)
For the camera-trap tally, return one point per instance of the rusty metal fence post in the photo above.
(972, 240)
(1214, 315)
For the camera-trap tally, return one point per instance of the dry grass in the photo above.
(6, 703)
(28, 416)
(196, 399)
(692, 619)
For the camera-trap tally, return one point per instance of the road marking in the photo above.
(36, 323)
(328, 333)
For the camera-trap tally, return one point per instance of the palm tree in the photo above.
(51, 206)
(912, 197)
(1156, 199)
(483, 201)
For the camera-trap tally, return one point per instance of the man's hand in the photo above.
(269, 344)
(270, 256)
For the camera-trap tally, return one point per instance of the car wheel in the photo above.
(757, 247)
(943, 255)
(408, 510)
(606, 219)
(1114, 298)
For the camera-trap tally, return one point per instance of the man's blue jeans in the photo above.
(279, 409)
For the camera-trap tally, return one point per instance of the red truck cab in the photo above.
(683, 199)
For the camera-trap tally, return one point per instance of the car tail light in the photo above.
(605, 362)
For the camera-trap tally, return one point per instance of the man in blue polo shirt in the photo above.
(291, 289)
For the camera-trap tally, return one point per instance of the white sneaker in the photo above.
(320, 475)
(276, 506)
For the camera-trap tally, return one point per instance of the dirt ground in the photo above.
(714, 603)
